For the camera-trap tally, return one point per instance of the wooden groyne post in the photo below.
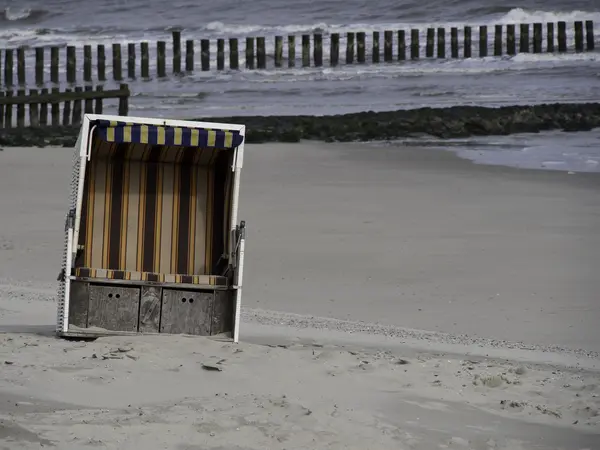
(334, 50)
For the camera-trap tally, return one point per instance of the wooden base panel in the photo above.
(100, 309)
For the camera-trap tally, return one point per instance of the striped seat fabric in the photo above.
(209, 280)
(150, 211)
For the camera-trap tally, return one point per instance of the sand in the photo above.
(395, 298)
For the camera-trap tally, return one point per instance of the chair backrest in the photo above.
(155, 208)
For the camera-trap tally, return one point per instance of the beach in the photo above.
(395, 296)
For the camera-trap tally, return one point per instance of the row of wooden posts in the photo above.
(256, 55)
(74, 103)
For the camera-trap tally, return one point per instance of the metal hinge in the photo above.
(240, 233)
(70, 222)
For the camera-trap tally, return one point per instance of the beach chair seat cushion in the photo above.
(208, 280)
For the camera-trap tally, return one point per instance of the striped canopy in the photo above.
(123, 132)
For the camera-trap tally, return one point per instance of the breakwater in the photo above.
(457, 121)
(145, 60)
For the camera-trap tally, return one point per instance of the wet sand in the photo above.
(394, 298)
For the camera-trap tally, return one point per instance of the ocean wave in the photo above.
(507, 16)
(22, 33)
(520, 15)
(23, 16)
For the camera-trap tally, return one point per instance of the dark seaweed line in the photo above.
(453, 122)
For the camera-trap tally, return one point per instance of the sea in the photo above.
(525, 78)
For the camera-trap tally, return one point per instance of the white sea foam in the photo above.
(35, 36)
(536, 151)
(16, 14)
(520, 15)
(516, 15)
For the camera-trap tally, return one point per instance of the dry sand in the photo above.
(499, 265)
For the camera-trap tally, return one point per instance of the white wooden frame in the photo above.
(84, 153)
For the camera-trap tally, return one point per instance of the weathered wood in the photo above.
(124, 100)
(550, 37)
(79, 300)
(189, 55)
(186, 312)
(511, 43)
(401, 45)
(441, 43)
(114, 308)
(468, 47)
(150, 303)
(89, 102)
(454, 42)
(498, 40)
(524, 38)
(34, 112)
(305, 50)
(537, 38)
(67, 95)
(145, 60)
(54, 63)
(483, 41)
(71, 65)
(176, 51)
(21, 109)
(249, 53)
(39, 65)
(589, 34)
(21, 66)
(222, 313)
(76, 117)
(87, 63)
(116, 62)
(318, 49)
(234, 59)
(291, 51)
(578, 36)
(38, 104)
(131, 61)
(375, 52)
(334, 51)
(350, 38)
(55, 107)
(98, 107)
(8, 67)
(66, 117)
(562, 37)
(101, 62)
(388, 45)
(220, 54)
(7, 110)
(161, 50)
(261, 53)
(414, 44)
(360, 47)
(278, 51)
(1, 111)
(429, 43)
(44, 109)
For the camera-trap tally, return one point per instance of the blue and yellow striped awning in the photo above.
(123, 132)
